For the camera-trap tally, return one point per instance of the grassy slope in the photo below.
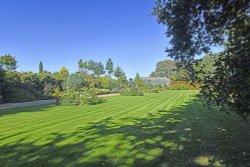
(170, 128)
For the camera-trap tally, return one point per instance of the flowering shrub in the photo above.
(78, 97)
(132, 91)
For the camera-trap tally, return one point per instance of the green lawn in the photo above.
(166, 129)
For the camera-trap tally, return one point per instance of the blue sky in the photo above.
(60, 32)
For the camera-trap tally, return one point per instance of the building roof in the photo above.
(156, 80)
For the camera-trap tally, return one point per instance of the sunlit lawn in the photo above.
(167, 129)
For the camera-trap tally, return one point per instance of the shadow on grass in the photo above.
(189, 135)
(35, 108)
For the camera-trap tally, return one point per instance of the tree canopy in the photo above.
(109, 66)
(164, 69)
(8, 62)
(41, 67)
(118, 72)
(197, 25)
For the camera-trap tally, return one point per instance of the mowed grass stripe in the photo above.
(52, 115)
(71, 122)
(169, 128)
(68, 119)
(162, 102)
(87, 112)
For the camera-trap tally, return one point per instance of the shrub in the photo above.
(48, 88)
(183, 85)
(75, 81)
(132, 91)
(77, 97)
(102, 91)
(153, 90)
(15, 94)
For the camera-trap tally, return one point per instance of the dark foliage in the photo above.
(194, 26)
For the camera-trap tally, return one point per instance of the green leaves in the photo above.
(195, 26)
(8, 62)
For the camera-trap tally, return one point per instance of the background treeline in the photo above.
(79, 88)
(91, 79)
(91, 76)
(180, 76)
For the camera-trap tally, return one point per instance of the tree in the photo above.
(91, 65)
(195, 26)
(8, 62)
(109, 67)
(64, 71)
(40, 67)
(82, 65)
(164, 69)
(171, 69)
(98, 69)
(138, 81)
(205, 66)
(118, 72)
(181, 74)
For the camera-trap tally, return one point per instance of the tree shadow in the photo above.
(188, 135)
(35, 108)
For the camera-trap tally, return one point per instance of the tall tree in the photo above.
(99, 69)
(138, 81)
(82, 66)
(118, 72)
(41, 67)
(195, 26)
(8, 62)
(80, 63)
(164, 69)
(109, 67)
(91, 65)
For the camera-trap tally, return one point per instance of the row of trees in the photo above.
(98, 69)
(172, 69)
(27, 86)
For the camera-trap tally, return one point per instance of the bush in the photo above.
(18, 94)
(78, 97)
(75, 81)
(153, 90)
(133, 91)
(183, 85)
(102, 91)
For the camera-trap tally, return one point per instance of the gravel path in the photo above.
(24, 104)
(108, 95)
(40, 102)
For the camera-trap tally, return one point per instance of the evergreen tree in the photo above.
(99, 69)
(40, 67)
(109, 67)
(118, 72)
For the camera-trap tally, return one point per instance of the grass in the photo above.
(166, 129)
